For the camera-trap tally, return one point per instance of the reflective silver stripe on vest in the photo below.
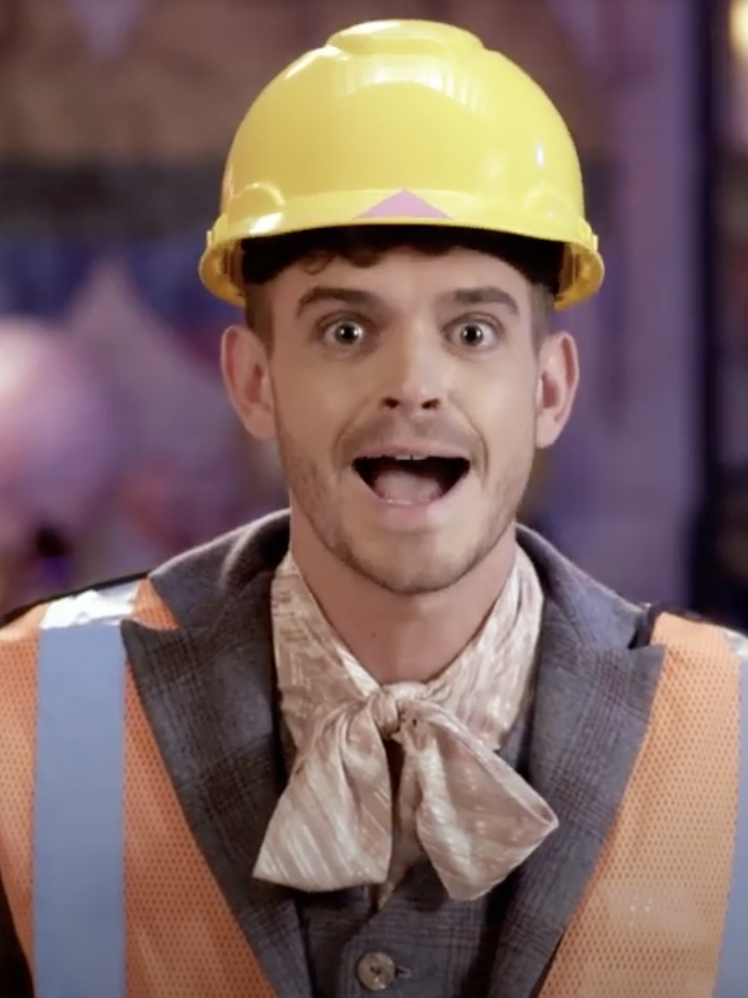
(78, 888)
(732, 980)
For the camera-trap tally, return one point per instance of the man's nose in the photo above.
(415, 377)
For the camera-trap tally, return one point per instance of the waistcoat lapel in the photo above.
(208, 690)
(594, 690)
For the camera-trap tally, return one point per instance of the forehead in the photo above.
(405, 277)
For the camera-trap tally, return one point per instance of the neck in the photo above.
(400, 638)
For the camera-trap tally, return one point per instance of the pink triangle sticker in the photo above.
(404, 204)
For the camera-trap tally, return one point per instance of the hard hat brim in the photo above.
(583, 270)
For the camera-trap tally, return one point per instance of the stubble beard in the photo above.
(402, 566)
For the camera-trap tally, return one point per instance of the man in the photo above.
(393, 743)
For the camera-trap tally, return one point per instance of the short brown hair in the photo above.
(263, 259)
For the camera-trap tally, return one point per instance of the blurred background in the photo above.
(117, 445)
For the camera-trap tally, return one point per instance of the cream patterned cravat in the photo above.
(336, 824)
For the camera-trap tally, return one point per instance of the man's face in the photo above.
(405, 398)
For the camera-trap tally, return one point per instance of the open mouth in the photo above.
(411, 479)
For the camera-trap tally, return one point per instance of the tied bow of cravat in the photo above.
(474, 816)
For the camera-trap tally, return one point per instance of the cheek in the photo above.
(510, 402)
(506, 423)
(312, 407)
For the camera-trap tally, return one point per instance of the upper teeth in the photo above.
(410, 457)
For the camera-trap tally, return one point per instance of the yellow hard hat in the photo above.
(403, 122)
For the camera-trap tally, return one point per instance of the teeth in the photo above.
(400, 457)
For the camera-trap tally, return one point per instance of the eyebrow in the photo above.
(488, 295)
(326, 293)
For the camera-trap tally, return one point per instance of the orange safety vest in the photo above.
(111, 897)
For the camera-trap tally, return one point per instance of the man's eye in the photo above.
(474, 334)
(344, 332)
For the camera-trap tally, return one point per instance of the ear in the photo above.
(558, 377)
(246, 373)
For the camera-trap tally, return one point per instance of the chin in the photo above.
(407, 571)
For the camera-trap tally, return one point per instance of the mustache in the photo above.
(430, 429)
